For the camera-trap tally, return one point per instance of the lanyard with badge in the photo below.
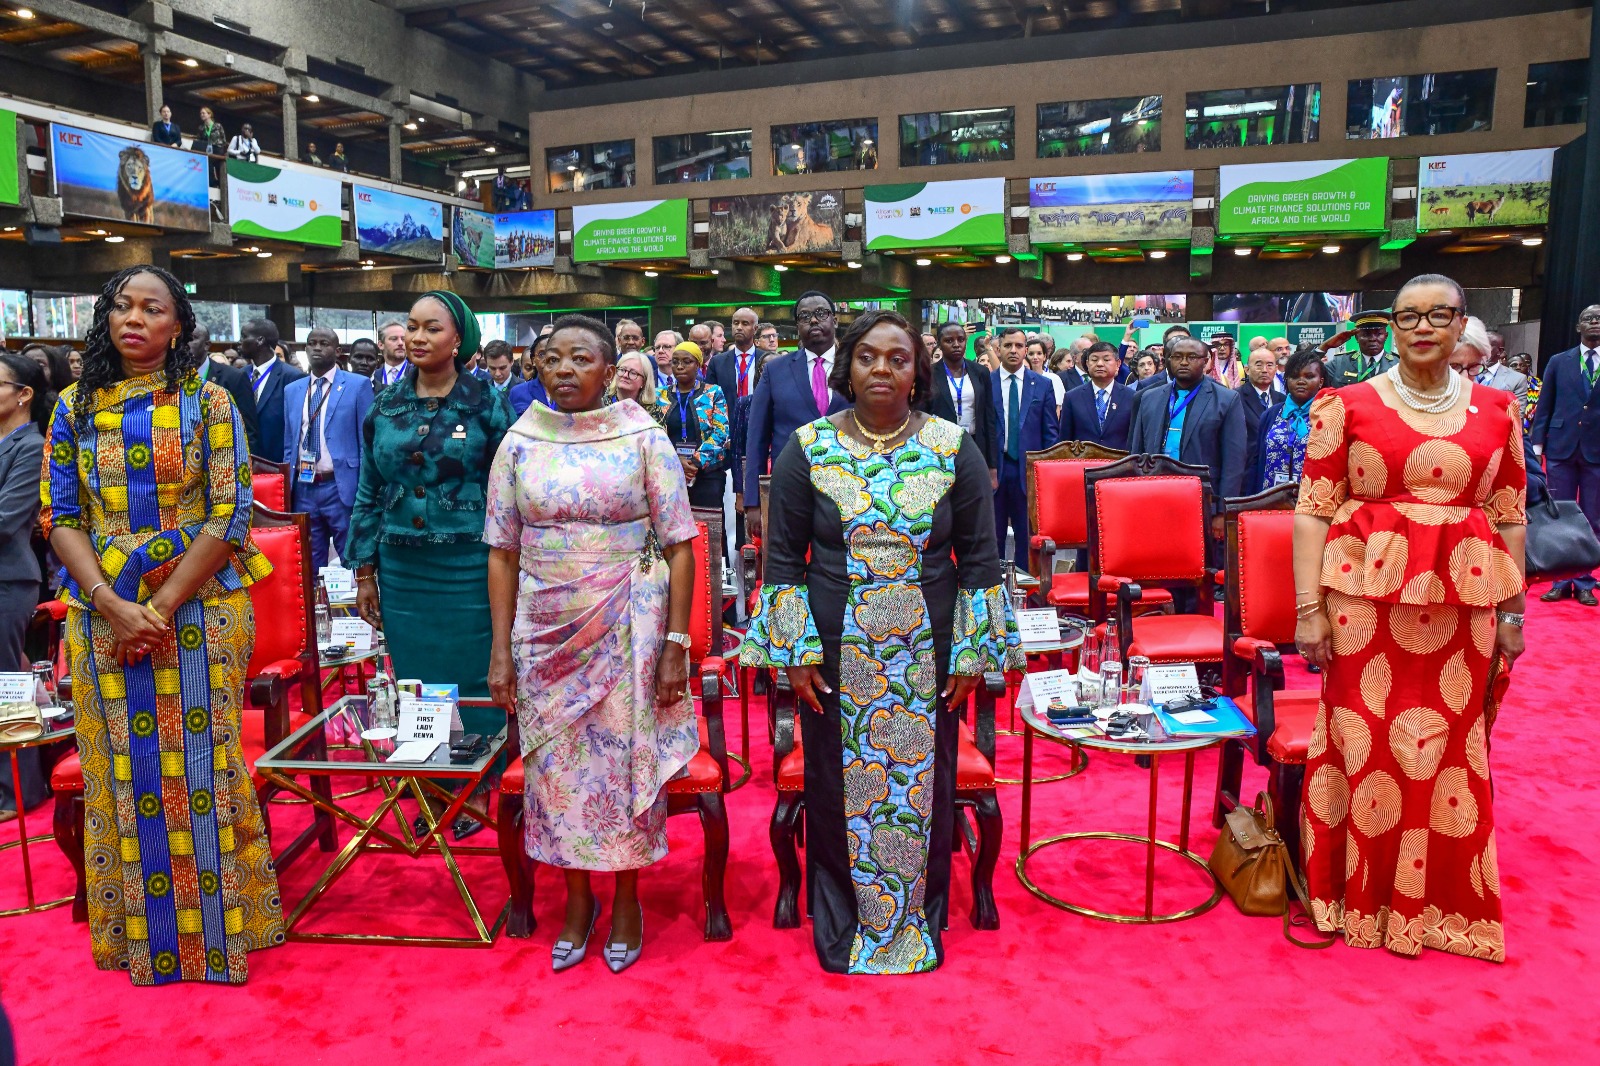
(308, 454)
(1175, 408)
(958, 385)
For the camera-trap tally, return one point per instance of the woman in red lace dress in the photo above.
(1408, 562)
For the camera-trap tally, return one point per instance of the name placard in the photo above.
(16, 688)
(1170, 681)
(1047, 687)
(424, 720)
(353, 633)
(1039, 626)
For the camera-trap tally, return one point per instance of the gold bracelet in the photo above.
(367, 577)
(157, 613)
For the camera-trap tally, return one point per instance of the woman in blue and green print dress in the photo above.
(883, 600)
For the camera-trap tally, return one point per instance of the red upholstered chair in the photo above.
(698, 790)
(975, 792)
(1259, 618)
(1060, 522)
(1148, 528)
(269, 482)
(285, 655)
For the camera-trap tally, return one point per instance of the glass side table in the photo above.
(58, 728)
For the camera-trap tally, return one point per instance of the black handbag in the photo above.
(1561, 543)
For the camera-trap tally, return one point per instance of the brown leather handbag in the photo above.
(1252, 864)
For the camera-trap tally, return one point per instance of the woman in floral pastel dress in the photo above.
(590, 630)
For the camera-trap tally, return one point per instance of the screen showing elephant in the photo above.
(98, 175)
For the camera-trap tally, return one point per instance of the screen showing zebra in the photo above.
(1105, 208)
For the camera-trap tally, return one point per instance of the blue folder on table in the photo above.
(1228, 721)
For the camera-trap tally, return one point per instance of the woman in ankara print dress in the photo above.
(883, 600)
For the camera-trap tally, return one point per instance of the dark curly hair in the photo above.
(102, 366)
(839, 380)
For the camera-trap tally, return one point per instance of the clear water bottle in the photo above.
(1111, 649)
(324, 616)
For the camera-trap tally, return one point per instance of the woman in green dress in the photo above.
(883, 600)
(416, 533)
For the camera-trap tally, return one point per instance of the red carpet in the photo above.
(1048, 987)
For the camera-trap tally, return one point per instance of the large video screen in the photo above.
(392, 223)
(98, 175)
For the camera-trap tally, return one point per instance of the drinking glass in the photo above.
(1110, 683)
(1133, 686)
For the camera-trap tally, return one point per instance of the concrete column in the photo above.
(282, 316)
(291, 123)
(395, 133)
(1198, 307)
(152, 81)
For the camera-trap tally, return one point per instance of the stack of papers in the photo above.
(414, 751)
(1219, 718)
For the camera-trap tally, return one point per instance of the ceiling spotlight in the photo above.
(1241, 251)
(1330, 249)
(1532, 242)
(1158, 254)
(97, 233)
(115, 239)
(866, 140)
(715, 271)
(252, 248)
(652, 274)
(24, 13)
(411, 125)
(853, 265)
(1002, 260)
(263, 255)
(366, 266)
(924, 262)
(571, 168)
(191, 62)
(461, 185)
(1073, 257)
(490, 150)
(422, 118)
(779, 267)
(11, 229)
(313, 98)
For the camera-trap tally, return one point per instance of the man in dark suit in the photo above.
(1103, 412)
(258, 341)
(1258, 394)
(961, 394)
(322, 416)
(392, 343)
(235, 381)
(1197, 420)
(1566, 433)
(734, 370)
(793, 391)
(1025, 409)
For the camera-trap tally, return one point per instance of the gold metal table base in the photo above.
(1080, 761)
(22, 841)
(406, 842)
(33, 907)
(296, 801)
(1150, 840)
(1149, 917)
(743, 778)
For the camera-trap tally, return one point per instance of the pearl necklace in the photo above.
(1434, 404)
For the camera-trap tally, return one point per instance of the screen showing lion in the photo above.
(102, 176)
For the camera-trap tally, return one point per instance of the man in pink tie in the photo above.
(792, 392)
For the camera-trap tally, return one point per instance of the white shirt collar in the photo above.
(827, 356)
(329, 376)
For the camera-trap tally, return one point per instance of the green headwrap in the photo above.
(466, 322)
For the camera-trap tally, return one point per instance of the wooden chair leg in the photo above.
(1230, 774)
(67, 828)
(985, 914)
(714, 822)
(1284, 786)
(322, 786)
(785, 818)
(519, 868)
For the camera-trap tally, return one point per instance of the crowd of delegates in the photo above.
(500, 516)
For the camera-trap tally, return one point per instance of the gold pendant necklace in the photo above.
(879, 439)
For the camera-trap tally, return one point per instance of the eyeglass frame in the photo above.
(801, 317)
(1455, 312)
(631, 372)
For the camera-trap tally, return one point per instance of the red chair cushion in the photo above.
(1170, 638)
(704, 776)
(1151, 528)
(1294, 717)
(511, 779)
(67, 776)
(973, 771)
(700, 607)
(1058, 496)
(1072, 590)
(1266, 558)
(279, 598)
(267, 490)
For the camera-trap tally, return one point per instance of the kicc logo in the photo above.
(1044, 186)
(74, 139)
(364, 197)
(1438, 164)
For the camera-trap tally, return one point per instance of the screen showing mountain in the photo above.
(391, 223)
